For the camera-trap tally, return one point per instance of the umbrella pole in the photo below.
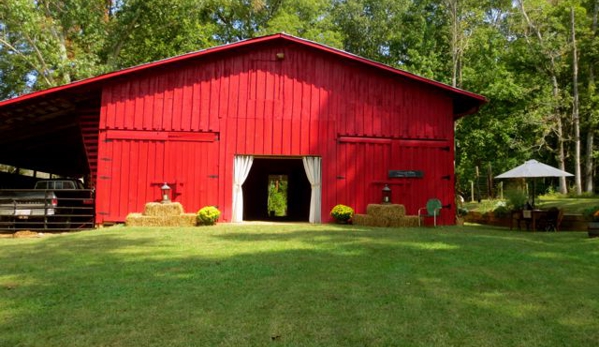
(533, 193)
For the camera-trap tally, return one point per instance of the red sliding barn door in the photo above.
(361, 172)
(435, 161)
(192, 171)
(134, 165)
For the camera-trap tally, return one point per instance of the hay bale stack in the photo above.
(380, 222)
(182, 220)
(406, 221)
(361, 219)
(158, 209)
(391, 215)
(390, 211)
(371, 221)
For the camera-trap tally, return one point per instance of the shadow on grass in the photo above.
(298, 286)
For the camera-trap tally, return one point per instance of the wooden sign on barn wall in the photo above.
(406, 174)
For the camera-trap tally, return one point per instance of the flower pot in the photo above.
(593, 229)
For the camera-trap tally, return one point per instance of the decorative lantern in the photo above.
(166, 192)
(386, 194)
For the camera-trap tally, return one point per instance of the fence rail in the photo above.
(46, 210)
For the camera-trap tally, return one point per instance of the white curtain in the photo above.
(243, 164)
(312, 167)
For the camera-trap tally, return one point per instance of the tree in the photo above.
(548, 44)
(150, 30)
(575, 103)
(46, 43)
(590, 99)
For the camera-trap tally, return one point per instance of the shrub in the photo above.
(501, 212)
(208, 215)
(591, 213)
(342, 213)
(516, 199)
(462, 211)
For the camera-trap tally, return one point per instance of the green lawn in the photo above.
(570, 205)
(300, 285)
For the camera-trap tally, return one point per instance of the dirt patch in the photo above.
(24, 234)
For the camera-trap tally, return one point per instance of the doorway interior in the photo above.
(277, 189)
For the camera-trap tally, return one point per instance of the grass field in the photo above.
(300, 285)
(570, 205)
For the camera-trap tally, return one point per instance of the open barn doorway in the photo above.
(277, 189)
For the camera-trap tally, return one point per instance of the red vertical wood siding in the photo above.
(136, 164)
(257, 104)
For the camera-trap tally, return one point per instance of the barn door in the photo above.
(362, 170)
(192, 172)
(133, 165)
(435, 161)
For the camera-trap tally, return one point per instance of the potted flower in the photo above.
(342, 214)
(592, 215)
(208, 215)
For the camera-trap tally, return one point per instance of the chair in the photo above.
(554, 219)
(433, 209)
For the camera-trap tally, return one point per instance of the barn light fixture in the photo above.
(166, 190)
(386, 194)
(280, 56)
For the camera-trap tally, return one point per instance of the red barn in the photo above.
(217, 125)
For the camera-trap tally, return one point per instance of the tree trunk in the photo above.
(561, 152)
(589, 165)
(455, 32)
(575, 106)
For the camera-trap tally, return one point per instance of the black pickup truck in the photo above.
(51, 204)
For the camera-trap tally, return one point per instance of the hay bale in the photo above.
(25, 234)
(188, 220)
(390, 211)
(406, 221)
(183, 220)
(373, 209)
(160, 210)
(380, 222)
(368, 220)
(134, 220)
(361, 219)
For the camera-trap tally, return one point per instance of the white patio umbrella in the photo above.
(533, 169)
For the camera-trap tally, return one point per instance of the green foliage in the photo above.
(277, 198)
(462, 211)
(501, 212)
(208, 215)
(572, 195)
(516, 198)
(149, 30)
(591, 213)
(342, 213)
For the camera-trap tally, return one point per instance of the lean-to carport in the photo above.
(54, 133)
